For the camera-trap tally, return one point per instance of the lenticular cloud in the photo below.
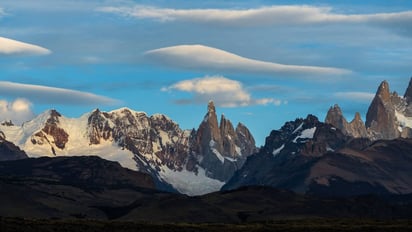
(224, 92)
(200, 57)
(14, 47)
(49, 95)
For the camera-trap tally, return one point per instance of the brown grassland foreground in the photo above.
(43, 225)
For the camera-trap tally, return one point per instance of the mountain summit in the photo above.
(380, 117)
(222, 148)
(355, 128)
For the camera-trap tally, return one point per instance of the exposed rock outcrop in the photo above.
(154, 140)
(51, 133)
(246, 142)
(222, 148)
(356, 128)
(335, 117)
(380, 118)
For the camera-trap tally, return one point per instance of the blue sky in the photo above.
(262, 62)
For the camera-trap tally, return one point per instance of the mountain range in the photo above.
(337, 157)
(192, 162)
(159, 161)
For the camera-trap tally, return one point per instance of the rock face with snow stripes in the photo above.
(143, 135)
(191, 161)
(51, 134)
(221, 150)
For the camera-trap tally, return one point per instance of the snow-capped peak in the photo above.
(123, 110)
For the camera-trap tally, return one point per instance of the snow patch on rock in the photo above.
(306, 134)
(278, 150)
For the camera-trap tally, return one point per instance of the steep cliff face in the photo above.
(245, 141)
(380, 117)
(222, 149)
(99, 128)
(209, 130)
(357, 128)
(229, 137)
(209, 140)
(335, 117)
(51, 134)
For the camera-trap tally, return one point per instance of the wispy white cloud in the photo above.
(223, 91)
(355, 96)
(213, 59)
(14, 47)
(268, 15)
(18, 111)
(52, 95)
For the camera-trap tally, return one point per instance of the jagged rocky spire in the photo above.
(357, 127)
(227, 133)
(211, 107)
(380, 117)
(383, 91)
(223, 148)
(209, 130)
(335, 117)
